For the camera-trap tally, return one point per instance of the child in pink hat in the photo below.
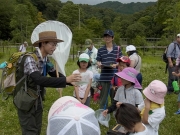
(128, 92)
(152, 108)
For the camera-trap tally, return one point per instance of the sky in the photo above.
(94, 2)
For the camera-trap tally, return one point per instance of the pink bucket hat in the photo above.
(68, 116)
(156, 91)
(130, 74)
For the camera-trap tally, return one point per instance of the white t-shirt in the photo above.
(87, 76)
(22, 48)
(145, 132)
(137, 61)
(154, 119)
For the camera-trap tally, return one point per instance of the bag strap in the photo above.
(118, 47)
(137, 61)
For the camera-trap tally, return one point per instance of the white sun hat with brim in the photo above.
(130, 48)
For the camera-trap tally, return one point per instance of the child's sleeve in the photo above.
(156, 118)
(112, 107)
(112, 81)
(91, 74)
(138, 97)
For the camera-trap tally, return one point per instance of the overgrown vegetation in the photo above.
(20, 17)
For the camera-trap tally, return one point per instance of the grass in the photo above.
(152, 68)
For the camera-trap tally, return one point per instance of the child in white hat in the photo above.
(152, 109)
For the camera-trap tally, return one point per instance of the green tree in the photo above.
(81, 34)
(95, 25)
(69, 14)
(135, 29)
(139, 41)
(172, 23)
(6, 12)
(22, 23)
(49, 8)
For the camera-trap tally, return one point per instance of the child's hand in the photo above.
(83, 101)
(114, 65)
(80, 100)
(147, 103)
(105, 112)
(118, 104)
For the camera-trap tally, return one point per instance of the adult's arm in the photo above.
(48, 81)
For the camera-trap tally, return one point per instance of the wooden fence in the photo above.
(75, 51)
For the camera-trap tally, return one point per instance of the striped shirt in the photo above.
(108, 58)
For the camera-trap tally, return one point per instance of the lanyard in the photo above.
(44, 68)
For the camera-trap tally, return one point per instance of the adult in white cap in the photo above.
(173, 51)
(134, 57)
(135, 60)
(30, 113)
(92, 52)
(23, 47)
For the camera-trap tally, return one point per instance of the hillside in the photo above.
(128, 8)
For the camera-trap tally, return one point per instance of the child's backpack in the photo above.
(9, 80)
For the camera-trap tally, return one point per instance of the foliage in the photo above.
(20, 17)
(128, 8)
(81, 34)
(49, 8)
(139, 41)
(6, 11)
(95, 25)
(22, 23)
(69, 17)
(135, 29)
(163, 42)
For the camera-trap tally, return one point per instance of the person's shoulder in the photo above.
(120, 88)
(89, 71)
(137, 91)
(172, 43)
(102, 47)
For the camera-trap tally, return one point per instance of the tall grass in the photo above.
(152, 68)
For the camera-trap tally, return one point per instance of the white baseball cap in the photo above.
(178, 35)
(84, 57)
(68, 116)
(130, 48)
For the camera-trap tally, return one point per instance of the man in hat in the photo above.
(106, 58)
(173, 51)
(23, 47)
(92, 52)
(36, 72)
